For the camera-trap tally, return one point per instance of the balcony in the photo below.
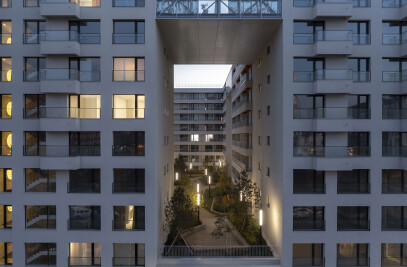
(332, 151)
(333, 8)
(127, 38)
(394, 151)
(352, 261)
(128, 75)
(311, 3)
(309, 261)
(65, 80)
(308, 225)
(394, 113)
(218, 252)
(60, 9)
(331, 113)
(218, 9)
(394, 225)
(333, 43)
(60, 43)
(397, 39)
(84, 261)
(322, 80)
(61, 151)
(128, 150)
(128, 113)
(128, 188)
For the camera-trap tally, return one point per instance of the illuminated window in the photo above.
(6, 106)
(37, 180)
(128, 254)
(84, 106)
(129, 217)
(128, 69)
(6, 178)
(5, 32)
(6, 254)
(6, 216)
(129, 106)
(5, 69)
(208, 137)
(195, 137)
(88, 3)
(48, 252)
(84, 254)
(6, 143)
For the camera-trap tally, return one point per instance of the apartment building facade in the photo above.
(198, 126)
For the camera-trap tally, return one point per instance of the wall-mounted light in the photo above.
(241, 196)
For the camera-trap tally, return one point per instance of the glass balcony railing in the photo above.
(394, 151)
(391, 261)
(308, 261)
(352, 224)
(128, 261)
(69, 74)
(394, 113)
(128, 150)
(128, 225)
(310, 3)
(61, 151)
(219, 8)
(128, 3)
(59, 36)
(304, 225)
(352, 261)
(393, 3)
(128, 38)
(332, 151)
(84, 224)
(331, 113)
(334, 36)
(83, 187)
(128, 113)
(353, 188)
(394, 224)
(309, 188)
(81, 3)
(128, 75)
(324, 74)
(62, 113)
(311, 38)
(394, 38)
(121, 187)
(84, 261)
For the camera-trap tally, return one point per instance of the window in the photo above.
(84, 254)
(89, 3)
(31, 3)
(358, 144)
(359, 106)
(308, 144)
(353, 218)
(41, 253)
(308, 181)
(394, 144)
(128, 32)
(259, 166)
(5, 32)
(394, 181)
(304, 31)
(5, 4)
(84, 217)
(394, 218)
(32, 31)
(393, 69)
(309, 106)
(6, 179)
(128, 3)
(268, 140)
(129, 218)
(268, 50)
(33, 68)
(128, 254)
(351, 254)
(84, 181)
(394, 106)
(129, 106)
(259, 114)
(268, 78)
(6, 216)
(259, 140)
(353, 182)
(40, 217)
(84, 69)
(128, 181)
(84, 106)
(33, 106)
(37, 180)
(308, 69)
(35, 144)
(308, 218)
(128, 69)
(310, 254)
(85, 32)
(84, 143)
(360, 32)
(128, 143)
(268, 110)
(6, 106)
(360, 68)
(259, 62)
(259, 87)
(5, 69)
(6, 143)
(268, 172)
(6, 253)
(393, 32)
(394, 254)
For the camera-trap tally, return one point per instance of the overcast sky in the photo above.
(200, 74)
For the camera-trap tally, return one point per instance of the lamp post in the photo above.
(261, 224)
(209, 182)
(206, 171)
(176, 176)
(198, 199)
(190, 169)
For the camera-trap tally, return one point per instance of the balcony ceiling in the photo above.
(216, 41)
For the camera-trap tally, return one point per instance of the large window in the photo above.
(32, 31)
(84, 254)
(394, 254)
(84, 218)
(359, 144)
(129, 106)
(394, 218)
(129, 218)
(128, 32)
(128, 69)
(84, 143)
(83, 107)
(35, 144)
(308, 182)
(33, 68)
(308, 69)
(308, 218)
(33, 105)
(310, 254)
(351, 254)
(353, 182)
(360, 68)
(86, 32)
(394, 144)
(129, 180)
(6, 179)
(6, 106)
(5, 69)
(37, 180)
(128, 254)
(6, 253)
(128, 144)
(394, 69)
(353, 218)
(84, 69)
(394, 106)
(309, 106)
(128, 3)
(309, 144)
(84, 181)
(6, 143)
(5, 32)
(360, 31)
(40, 217)
(6, 216)
(393, 32)
(394, 181)
(41, 253)
(304, 31)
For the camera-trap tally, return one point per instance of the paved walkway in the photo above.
(204, 238)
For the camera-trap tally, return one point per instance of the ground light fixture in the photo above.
(261, 224)
(209, 182)
(198, 199)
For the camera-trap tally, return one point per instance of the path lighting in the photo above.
(220, 163)
(190, 166)
(197, 188)
(241, 196)
(198, 199)
(206, 171)
(260, 223)
(190, 169)
(209, 182)
(176, 176)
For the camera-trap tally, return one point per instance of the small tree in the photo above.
(179, 164)
(222, 227)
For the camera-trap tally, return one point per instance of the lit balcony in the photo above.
(333, 8)
(333, 43)
(60, 43)
(60, 9)
(218, 9)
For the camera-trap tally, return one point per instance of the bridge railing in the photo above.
(218, 8)
(218, 251)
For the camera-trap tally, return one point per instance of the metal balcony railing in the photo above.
(218, 8)
(218, 252)
(332, 151)
(84, 261)
(127, 38)
(331, 113)
(394, 225)
(323, 74)
(69, 74)
(304, 225)
(394, 151)
(128, 225)
(352, 261)
(309, 188)
(61, 151)
(308, 261)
